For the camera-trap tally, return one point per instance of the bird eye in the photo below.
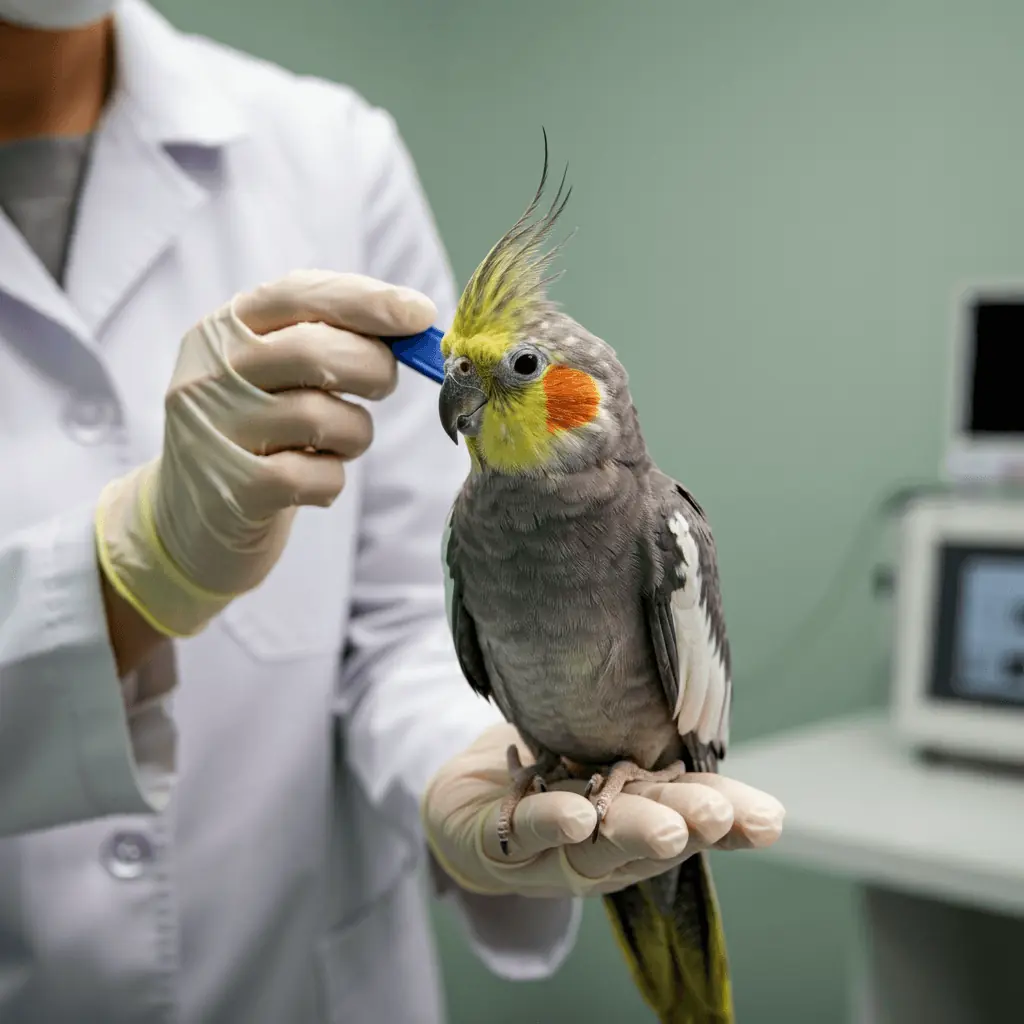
(526, 364)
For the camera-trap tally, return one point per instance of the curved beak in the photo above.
(460, 403)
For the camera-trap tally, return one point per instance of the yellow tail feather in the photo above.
(676, 952)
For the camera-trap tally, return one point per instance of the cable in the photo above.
(827, 608)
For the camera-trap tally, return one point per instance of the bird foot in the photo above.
(533, 778)
(603, 789)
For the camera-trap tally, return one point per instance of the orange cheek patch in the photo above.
(572, 398)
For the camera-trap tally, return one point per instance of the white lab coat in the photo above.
(245, 852)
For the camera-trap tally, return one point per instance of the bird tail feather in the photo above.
(670, 930)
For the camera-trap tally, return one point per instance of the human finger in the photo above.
(541, 821)
(316, 355)
(633, 829)
(306, 419)
(708, 814)
(290, 478)
(757, 816)
(358, 303)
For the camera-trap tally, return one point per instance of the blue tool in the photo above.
(422, 352)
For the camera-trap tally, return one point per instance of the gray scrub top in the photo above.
(40, 181)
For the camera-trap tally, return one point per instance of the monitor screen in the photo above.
(979, 636)
(996, 366)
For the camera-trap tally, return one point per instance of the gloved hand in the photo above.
(649, 827)
(253, 429)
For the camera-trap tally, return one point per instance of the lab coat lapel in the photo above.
(24, 279)
(135, 201)
(137, 196)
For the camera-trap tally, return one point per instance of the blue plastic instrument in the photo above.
(422, 352)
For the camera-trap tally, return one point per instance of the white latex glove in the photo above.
(254, 428)
(649, 827)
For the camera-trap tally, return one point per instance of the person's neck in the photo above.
(54, 83)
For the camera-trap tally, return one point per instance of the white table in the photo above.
(938, 855)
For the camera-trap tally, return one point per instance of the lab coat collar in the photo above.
(142, 184)
(165, 84)
(137, 194)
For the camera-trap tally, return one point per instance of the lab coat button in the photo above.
(126, 854)
(90, 421)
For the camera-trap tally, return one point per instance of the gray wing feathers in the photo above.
(467, 643)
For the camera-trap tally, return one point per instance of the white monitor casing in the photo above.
(921, 719)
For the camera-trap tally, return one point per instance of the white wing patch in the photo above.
(726, 718)
(703, 691)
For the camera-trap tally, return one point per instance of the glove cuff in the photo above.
(136, 563)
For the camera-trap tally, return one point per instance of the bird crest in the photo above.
(507, 291)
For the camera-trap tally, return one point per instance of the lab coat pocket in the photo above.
(382, 967)
(301, 608)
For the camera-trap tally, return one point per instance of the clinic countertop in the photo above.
(859, 804)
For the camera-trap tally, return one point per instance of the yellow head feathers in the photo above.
(507, 291)
(508, 380)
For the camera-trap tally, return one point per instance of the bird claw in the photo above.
(533, 777)
(607, 787)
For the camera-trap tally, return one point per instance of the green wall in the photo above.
(774, 201)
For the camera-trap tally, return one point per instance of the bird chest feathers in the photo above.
(555, 589)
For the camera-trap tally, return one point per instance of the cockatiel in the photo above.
(584, 591)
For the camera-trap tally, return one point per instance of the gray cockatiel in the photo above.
(585, 598)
